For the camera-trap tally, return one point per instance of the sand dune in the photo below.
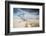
(19, 23)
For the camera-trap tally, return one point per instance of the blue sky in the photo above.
(26, 13)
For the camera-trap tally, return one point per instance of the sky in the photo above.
(26, 13)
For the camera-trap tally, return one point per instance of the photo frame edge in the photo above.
(7, 23)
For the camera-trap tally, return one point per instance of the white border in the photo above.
(24, 29)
